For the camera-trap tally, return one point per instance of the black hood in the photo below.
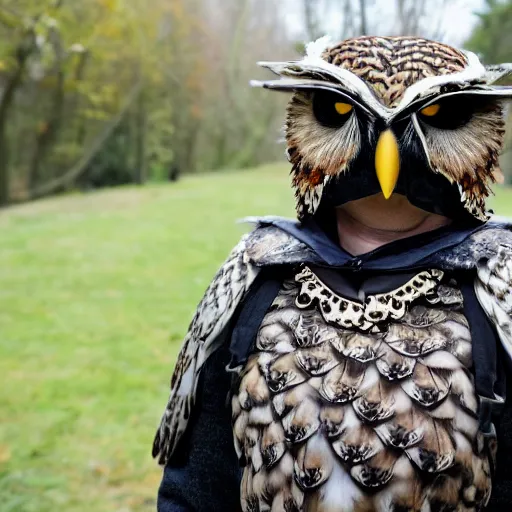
(414, 252)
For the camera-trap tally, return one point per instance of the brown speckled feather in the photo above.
(494, 290)
(214, 311)
(389, 65)
(329, 418)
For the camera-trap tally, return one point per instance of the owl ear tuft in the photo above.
(315, 49)
(498, 74)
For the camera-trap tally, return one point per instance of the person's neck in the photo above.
(357, 237)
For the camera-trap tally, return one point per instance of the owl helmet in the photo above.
(393, 114)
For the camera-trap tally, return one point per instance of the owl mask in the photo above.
(393, 115)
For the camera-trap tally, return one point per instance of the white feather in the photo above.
(340, 492)
(316, 48)
(187, 382)
(336, 76)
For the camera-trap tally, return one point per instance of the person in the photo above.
(356, 359)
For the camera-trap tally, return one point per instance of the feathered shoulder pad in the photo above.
(484, 244)
(492, 251)
(266, 245)
(489, 252)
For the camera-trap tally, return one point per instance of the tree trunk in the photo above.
(72, 174)
(364, 19)
(48, 133)
(76, 103)
(311, 19)
(23, 51)
(140, 141)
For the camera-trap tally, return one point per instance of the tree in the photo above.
(87, 87)
(66, 69)
(492, 40)
(349, 18)
(17, 62)
(492, 37)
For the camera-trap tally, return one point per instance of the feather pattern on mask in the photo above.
(469, 155)
(386, 78)
(324, 152)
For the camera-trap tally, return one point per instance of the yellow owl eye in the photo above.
(431, 110)
(343, 108)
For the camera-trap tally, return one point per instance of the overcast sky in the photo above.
(458, 20)
(461, 20)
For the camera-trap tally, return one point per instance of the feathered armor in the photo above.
(347, 401)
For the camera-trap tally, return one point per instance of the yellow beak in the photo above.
(387, 162)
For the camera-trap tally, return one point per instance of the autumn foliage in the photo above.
(101, 92)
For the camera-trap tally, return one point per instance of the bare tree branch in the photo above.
(364, 20)
(311, 17)
(72, 174)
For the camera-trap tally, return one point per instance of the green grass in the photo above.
(91, 287)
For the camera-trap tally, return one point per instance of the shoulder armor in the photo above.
(483, 244)
(270, 245)
(493, 287)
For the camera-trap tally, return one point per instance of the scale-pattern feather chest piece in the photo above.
(348, 405)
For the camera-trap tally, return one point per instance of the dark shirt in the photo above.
(204, 475)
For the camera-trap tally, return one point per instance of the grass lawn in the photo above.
(91, 287)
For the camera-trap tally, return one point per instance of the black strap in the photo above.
(488, 367)
(251, 314)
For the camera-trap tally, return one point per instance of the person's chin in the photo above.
(393, 214)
